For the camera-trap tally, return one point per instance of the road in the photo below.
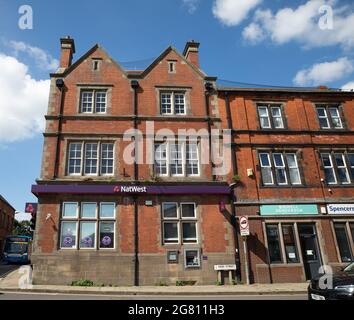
(51, 296)
(5, 269)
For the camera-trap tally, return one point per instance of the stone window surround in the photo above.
(94, 87)
(270, 103)
(327, 105)
(182, 89)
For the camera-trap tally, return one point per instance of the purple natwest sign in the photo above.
(221, 189)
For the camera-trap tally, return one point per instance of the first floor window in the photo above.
(87, 225)
(90, 158)
(343, 241)
(93, 101)
(176, 159)
(172, 103)
(179, 222)
(192, 258)
(273, 243)
(279, 168)
(338, 167)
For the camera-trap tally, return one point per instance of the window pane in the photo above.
(293, 169)
(166, 103)
(263, 111)
(169, 210)
(322, 116)
(192, 258)
(176, 164)
(88, 210)
(343, 243)
(328, 168)
(188, 210)
(179, 103)
(273, 244)
(107, 158)
(86, 101)
(334, 112)
(101, 102)
(264, 159)
(161, 159)
(280, 168)
(267, 175)
(263, 117)
(289, 243)
(192, 159)
(170, 232)
(68, 234)
(107, 210)
(70, 209)
(351, 164)
(107, 235)
(87, 234)
(343, 174)
(189, 232)
(74, 158)
(277, 117)
(91, 157)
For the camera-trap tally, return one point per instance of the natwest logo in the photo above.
(130, 189)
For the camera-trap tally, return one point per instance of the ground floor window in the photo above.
(192, 258)
(282, 235)
(344, 233)
(87, 225)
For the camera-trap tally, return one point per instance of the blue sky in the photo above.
(252, 41)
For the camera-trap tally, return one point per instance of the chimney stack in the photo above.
(191, 52)
(67, 47)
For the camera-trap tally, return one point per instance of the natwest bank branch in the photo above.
(133, 234)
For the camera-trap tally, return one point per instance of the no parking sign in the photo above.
(244, 226)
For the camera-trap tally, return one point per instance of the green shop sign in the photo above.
(288, 209)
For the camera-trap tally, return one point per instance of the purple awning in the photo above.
(130, 189)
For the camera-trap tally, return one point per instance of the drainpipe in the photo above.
(232, 193)
(209, 90)
(60, 85)
(135, 86)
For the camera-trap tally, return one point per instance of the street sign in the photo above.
(224, 267)
(244, 226)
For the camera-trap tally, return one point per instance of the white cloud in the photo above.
(348, 86)
(306, 24)
(43, 60)
(23, 101)
(324, 72)
(233, 12)
(23, 216)
(253, 33)
(192, 5)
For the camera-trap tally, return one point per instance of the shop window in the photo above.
(338, 167)
(90, 158)
(176, 159)
(279, 168)
(270, 116)
(329, 117)
(273, 243)
(179, 222)
(172, 103)
(343, 241)
(93, 101)
(290, 244)
(192, 258)
(81, 223)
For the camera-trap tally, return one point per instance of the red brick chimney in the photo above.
(67, 46)
(191, 52)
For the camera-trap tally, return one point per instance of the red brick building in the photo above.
(116, 221)
(7, 216)
(294, 160)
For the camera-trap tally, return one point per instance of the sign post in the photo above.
(245, 231)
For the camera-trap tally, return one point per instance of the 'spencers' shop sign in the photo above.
(340, 208)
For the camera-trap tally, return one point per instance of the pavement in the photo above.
(16, 281)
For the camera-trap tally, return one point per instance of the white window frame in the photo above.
(280, 116)
(195, 211)
(101, 159)
(342, 167)
(185, 221)
(96, 238)
(296, 167)
(105, 101)
(99, 230)
(98, 147)
(72, 217)
(185, 258)
(163, 211)
(170, 221)
(81, 207)
(114, 212)
(283, 167)
(270, 166)
(81, 157)
(188, 160)
(260, 117)
(92, 92)
(338, 116)
(173, 102)
(329, 167)
(61, 234)
(166, 159)
(180, 147)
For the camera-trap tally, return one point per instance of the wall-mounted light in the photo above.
(250, 172)
(49, 215)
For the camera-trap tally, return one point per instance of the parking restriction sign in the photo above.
(244, 226)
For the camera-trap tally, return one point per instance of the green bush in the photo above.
(82, 283)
